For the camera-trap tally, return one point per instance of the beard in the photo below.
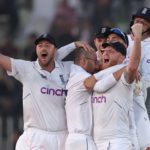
(45, 62)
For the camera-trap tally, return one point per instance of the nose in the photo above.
(108, 39)
(105, 52)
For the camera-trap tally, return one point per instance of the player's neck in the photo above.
(49, 67)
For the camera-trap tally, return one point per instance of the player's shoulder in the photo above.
(67, 63)
(21, 61)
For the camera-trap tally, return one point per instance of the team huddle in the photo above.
(96, 101)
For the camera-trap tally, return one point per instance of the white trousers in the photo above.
(133, 130)
(78, 141)
(142, 122)
(36, 139)
(114, 144)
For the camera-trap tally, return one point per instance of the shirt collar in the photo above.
(76, 68)
(147, 39)
(37, 65)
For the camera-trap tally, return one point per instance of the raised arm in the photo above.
(5, 62)
(135, 54)
(66, 50)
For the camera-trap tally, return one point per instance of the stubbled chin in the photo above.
(104, 66)
(43, 61)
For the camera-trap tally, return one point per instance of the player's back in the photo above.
(78, 103)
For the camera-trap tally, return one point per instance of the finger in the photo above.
(91, 49)
(88, 48)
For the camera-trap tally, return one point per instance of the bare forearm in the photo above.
(135, 54)
(5, 62)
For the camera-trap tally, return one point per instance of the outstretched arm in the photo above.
(5, 62)
(66, 50)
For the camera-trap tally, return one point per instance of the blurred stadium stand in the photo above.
(66, 20)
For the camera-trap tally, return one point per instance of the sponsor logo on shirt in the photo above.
(100, 99)
(54, 92)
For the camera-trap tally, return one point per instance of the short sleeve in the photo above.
(19, 68)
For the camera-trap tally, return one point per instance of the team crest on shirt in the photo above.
(62, 79)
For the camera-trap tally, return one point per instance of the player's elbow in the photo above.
(132, 70)
(133, 67)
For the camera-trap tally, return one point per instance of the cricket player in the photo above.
(116, 34)
(111, 108)
(44, 91)
(100, 37)
(78, 100)
(140, 126)
(142, 121)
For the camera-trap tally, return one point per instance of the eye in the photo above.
(100, 40)
(102, 51)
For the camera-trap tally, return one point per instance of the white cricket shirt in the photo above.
(43, 94)
(111, 111)
(78, 102)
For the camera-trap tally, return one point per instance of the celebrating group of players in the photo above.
(97, 101)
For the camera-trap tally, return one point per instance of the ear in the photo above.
(121, 58)
(83, 60)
